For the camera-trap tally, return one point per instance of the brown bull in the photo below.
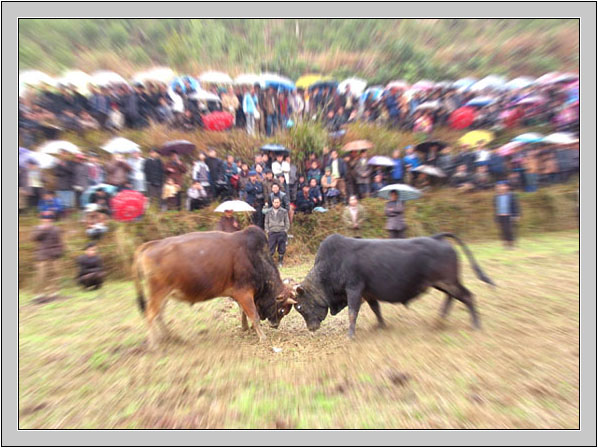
(201, 266)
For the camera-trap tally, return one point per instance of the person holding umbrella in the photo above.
(228, 223)
(394, 211)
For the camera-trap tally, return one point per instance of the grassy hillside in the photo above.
(377, 49)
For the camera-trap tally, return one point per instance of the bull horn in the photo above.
(291, 301)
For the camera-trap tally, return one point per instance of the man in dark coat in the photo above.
(91, 271)
(506, 211)
(49, 249)
(254, 196)
(64, 172)
(154, 175)
(394, 211)
(304, 202)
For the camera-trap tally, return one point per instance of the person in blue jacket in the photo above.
(506, 211)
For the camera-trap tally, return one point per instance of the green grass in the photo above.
(82, 363)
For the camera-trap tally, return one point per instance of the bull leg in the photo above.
(446, 306)
(247, 304)
(244, 325)
(375, 306)
(354, 302)
(153, 311)
(462, 294)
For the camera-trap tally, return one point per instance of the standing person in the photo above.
(50, 205)
(270, 107)
(136, 162)
(175, 170)
(297, 105)
(80, 178)
(354, 217)
(35, 184)
(277, 226)
(410, 161)
(254, 196)
(230, 103)
(197, 196)
(506, 210)
(48, 251)
(277, 165)
(228, 223)
(397, 169)
(338, 170)
(117, 172)
(91, 270)
(95, 170)
(289, 170)
(216, 170)
(153, 169)
(170, 194)
(201, 173)
(394, 211)
(64, 172)
(363, 172)
(250, 109)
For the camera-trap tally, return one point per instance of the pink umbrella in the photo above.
(548, 78)
(399, 85)
(532, 100)
(424, 84)
(509, 148)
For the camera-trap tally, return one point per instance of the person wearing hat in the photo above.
(91, 270)
(254, 196)
(506, 211)
(49, 250)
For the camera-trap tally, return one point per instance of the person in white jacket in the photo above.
(136, 162)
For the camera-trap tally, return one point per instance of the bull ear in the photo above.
(299, 290)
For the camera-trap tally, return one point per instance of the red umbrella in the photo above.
(218, 121)
(462, 117)
(127, 205)
(177, 146)
(511, 117)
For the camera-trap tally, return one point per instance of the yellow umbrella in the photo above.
(476, 137)
(307, 80)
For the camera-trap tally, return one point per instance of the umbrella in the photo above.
(55, 146)
(562, 138)
(375, 92)
(398, 84)
(305, 81)
(157, 74)
(529, 137)
(338, 134)
(104, 78)
(509, 148)
(356, 85)
(443, 84)
(33, 78)
(276, 81)
(177, 147)
(429, 105)
(381, 161)
(489, 82)
(180, 81)
(248, 79)
(215, 78)
(218, 121)
(426, 146)
(476, 137)
(85, 197)
(462, 117)
(323, 83)
(80, 80)
(358, 145)
(519, 83)
(429, 170)
(464, 83)
(235, 206)
(127, 205)
(548, 78)
(121, 145)
(481, 101)
(204, 95)
(536, 99)
(424, 84)
(43, 160)
(274, 147)
(406, 192)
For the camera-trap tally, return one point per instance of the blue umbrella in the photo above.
(480, 101)
(276, 81)
(180, 81)
(464, 83)
(375, 92)
(529, 137)
(110, 189)
(323, 84)
(274, 147)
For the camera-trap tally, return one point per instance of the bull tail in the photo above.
(474, 265)
(138, 275)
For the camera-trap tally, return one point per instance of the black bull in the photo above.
(397, 271)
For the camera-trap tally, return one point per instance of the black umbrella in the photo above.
(425, 147)
(273, 147)
(180, 147)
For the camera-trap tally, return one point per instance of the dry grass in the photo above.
(82, 364)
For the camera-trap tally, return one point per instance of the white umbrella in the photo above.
(490, 81)
(519, 83)
(356, 85)
(204, 95)
(120, 145)
(429, 170)
(104, 78)
(33, 78)
(215, 78)
(77, 78)
(406, 192)
(249, 79)
(562, 138)
(235, 206)
(55, 146)
(381, 161)
(428, 105)
(398, 84)
(159, 74)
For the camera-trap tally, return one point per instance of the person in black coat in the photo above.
(254, 196)
(64, 172)
(154, 175)
(506, 211)
(91, 270)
